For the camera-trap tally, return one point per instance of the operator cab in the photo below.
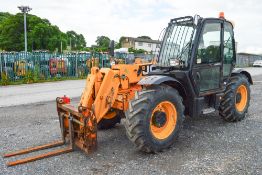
(200, 54)
(213, 56)
(204, 45)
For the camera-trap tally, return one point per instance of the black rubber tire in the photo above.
(227, 109)
(109, 123)
(138, 117)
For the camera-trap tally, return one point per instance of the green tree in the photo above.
(47, 37)
(102, 41)
(41, 34)
(3, 16)
(136, 50)
(118, 45)
(102, 44)
(11, 33)
(82, 41)
(77, 40)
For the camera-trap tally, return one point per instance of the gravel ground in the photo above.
(207, 145)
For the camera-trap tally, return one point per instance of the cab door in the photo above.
(229, 52)
(207, 63)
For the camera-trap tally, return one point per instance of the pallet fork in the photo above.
(66, 113)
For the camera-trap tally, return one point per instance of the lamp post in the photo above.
(25, 10)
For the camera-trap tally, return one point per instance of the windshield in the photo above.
(176, 44)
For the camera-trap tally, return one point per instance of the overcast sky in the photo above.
(116, 18)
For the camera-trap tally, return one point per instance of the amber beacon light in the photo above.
(221, 15)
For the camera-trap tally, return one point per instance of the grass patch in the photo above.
(4, 79)
(30, 79)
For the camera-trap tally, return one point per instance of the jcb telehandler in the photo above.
(194, 75)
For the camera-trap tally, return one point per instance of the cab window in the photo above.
(228, 49)
(209, 44)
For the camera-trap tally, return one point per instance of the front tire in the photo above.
(154, 118)
(108, 123)
(235, 102)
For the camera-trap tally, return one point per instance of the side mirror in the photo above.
(111, 48)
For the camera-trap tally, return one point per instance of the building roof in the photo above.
(147, 40)
(143, 40)
(248, 54)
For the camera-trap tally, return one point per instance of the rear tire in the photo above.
(154, 118)
(235, 102)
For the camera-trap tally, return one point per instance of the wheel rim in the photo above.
(163, 120)
(241, 98)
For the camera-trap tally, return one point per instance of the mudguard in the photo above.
(156, 79)
(244, 72)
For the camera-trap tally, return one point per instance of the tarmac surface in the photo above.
(39, 92)
(206, 145)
